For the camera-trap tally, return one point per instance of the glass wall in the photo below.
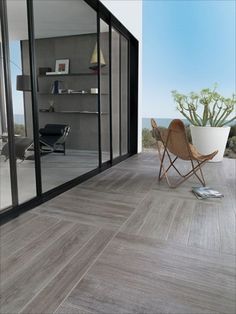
(5, 182)
(119, 94)
(115, 93)
(67, 96)
(21, 99)
(105, 91)
(76, 115)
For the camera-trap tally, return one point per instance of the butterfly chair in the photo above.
(173, 141)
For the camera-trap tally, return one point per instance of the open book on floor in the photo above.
(204, 192)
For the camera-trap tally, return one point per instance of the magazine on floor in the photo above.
(204, 192)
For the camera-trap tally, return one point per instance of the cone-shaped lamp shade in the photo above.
(94, 59)
(23, 83)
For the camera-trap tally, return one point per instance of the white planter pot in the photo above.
(207, 139)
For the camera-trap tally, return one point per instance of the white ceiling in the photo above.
(52, 18)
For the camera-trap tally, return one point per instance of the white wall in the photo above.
(129, 13)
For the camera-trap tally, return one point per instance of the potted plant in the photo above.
(209, 114)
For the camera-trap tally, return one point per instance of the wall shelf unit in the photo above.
(71, 94)
(76, 106)
(72, 112)
(69, 74)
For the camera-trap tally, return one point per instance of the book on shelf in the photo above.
(204, 192)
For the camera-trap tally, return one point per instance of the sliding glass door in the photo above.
(65, 98)
(67, 95)
(5, 177)
(119, 94)
(21, 100)
(124, 95)
(105, 91)
(115, 70)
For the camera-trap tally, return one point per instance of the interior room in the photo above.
(80, 124)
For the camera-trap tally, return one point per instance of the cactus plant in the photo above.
(215, 112)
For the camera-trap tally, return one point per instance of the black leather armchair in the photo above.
(22, 145)
(53, 137)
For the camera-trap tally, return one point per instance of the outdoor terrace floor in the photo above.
(123, 243)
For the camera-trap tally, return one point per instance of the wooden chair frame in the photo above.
(164, 172)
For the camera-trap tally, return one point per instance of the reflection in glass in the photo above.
(104, 86)
(5, 183)
(21, 97)
(115, 93)
(66, 39)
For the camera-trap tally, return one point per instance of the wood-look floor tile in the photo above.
(180, 227)
(22, 287)
(159, 219)
(112, 222)
(108, 210)
(48, 300)
(143, 275)
(102, 196)
(204, 230)
(67, 308)
(17, 222)
(101, 178)
(24, 234)
(120, 182)
(176, 254)
(20, 259)
(125, 181)
(108, 207)
(227, 226)
(137, 219)
(154, 217)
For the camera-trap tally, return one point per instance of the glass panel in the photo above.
(104, 85)
(115, 93)
(21, 97)
(5, 183)
(124, 95)
(66, 61)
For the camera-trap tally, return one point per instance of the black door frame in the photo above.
(104, 14)
(9, 108)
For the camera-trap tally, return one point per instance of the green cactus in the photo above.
(215, 110)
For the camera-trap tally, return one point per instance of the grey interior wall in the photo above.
(78, 49)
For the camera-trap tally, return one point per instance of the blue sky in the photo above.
(187, 45)
(17, 96)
